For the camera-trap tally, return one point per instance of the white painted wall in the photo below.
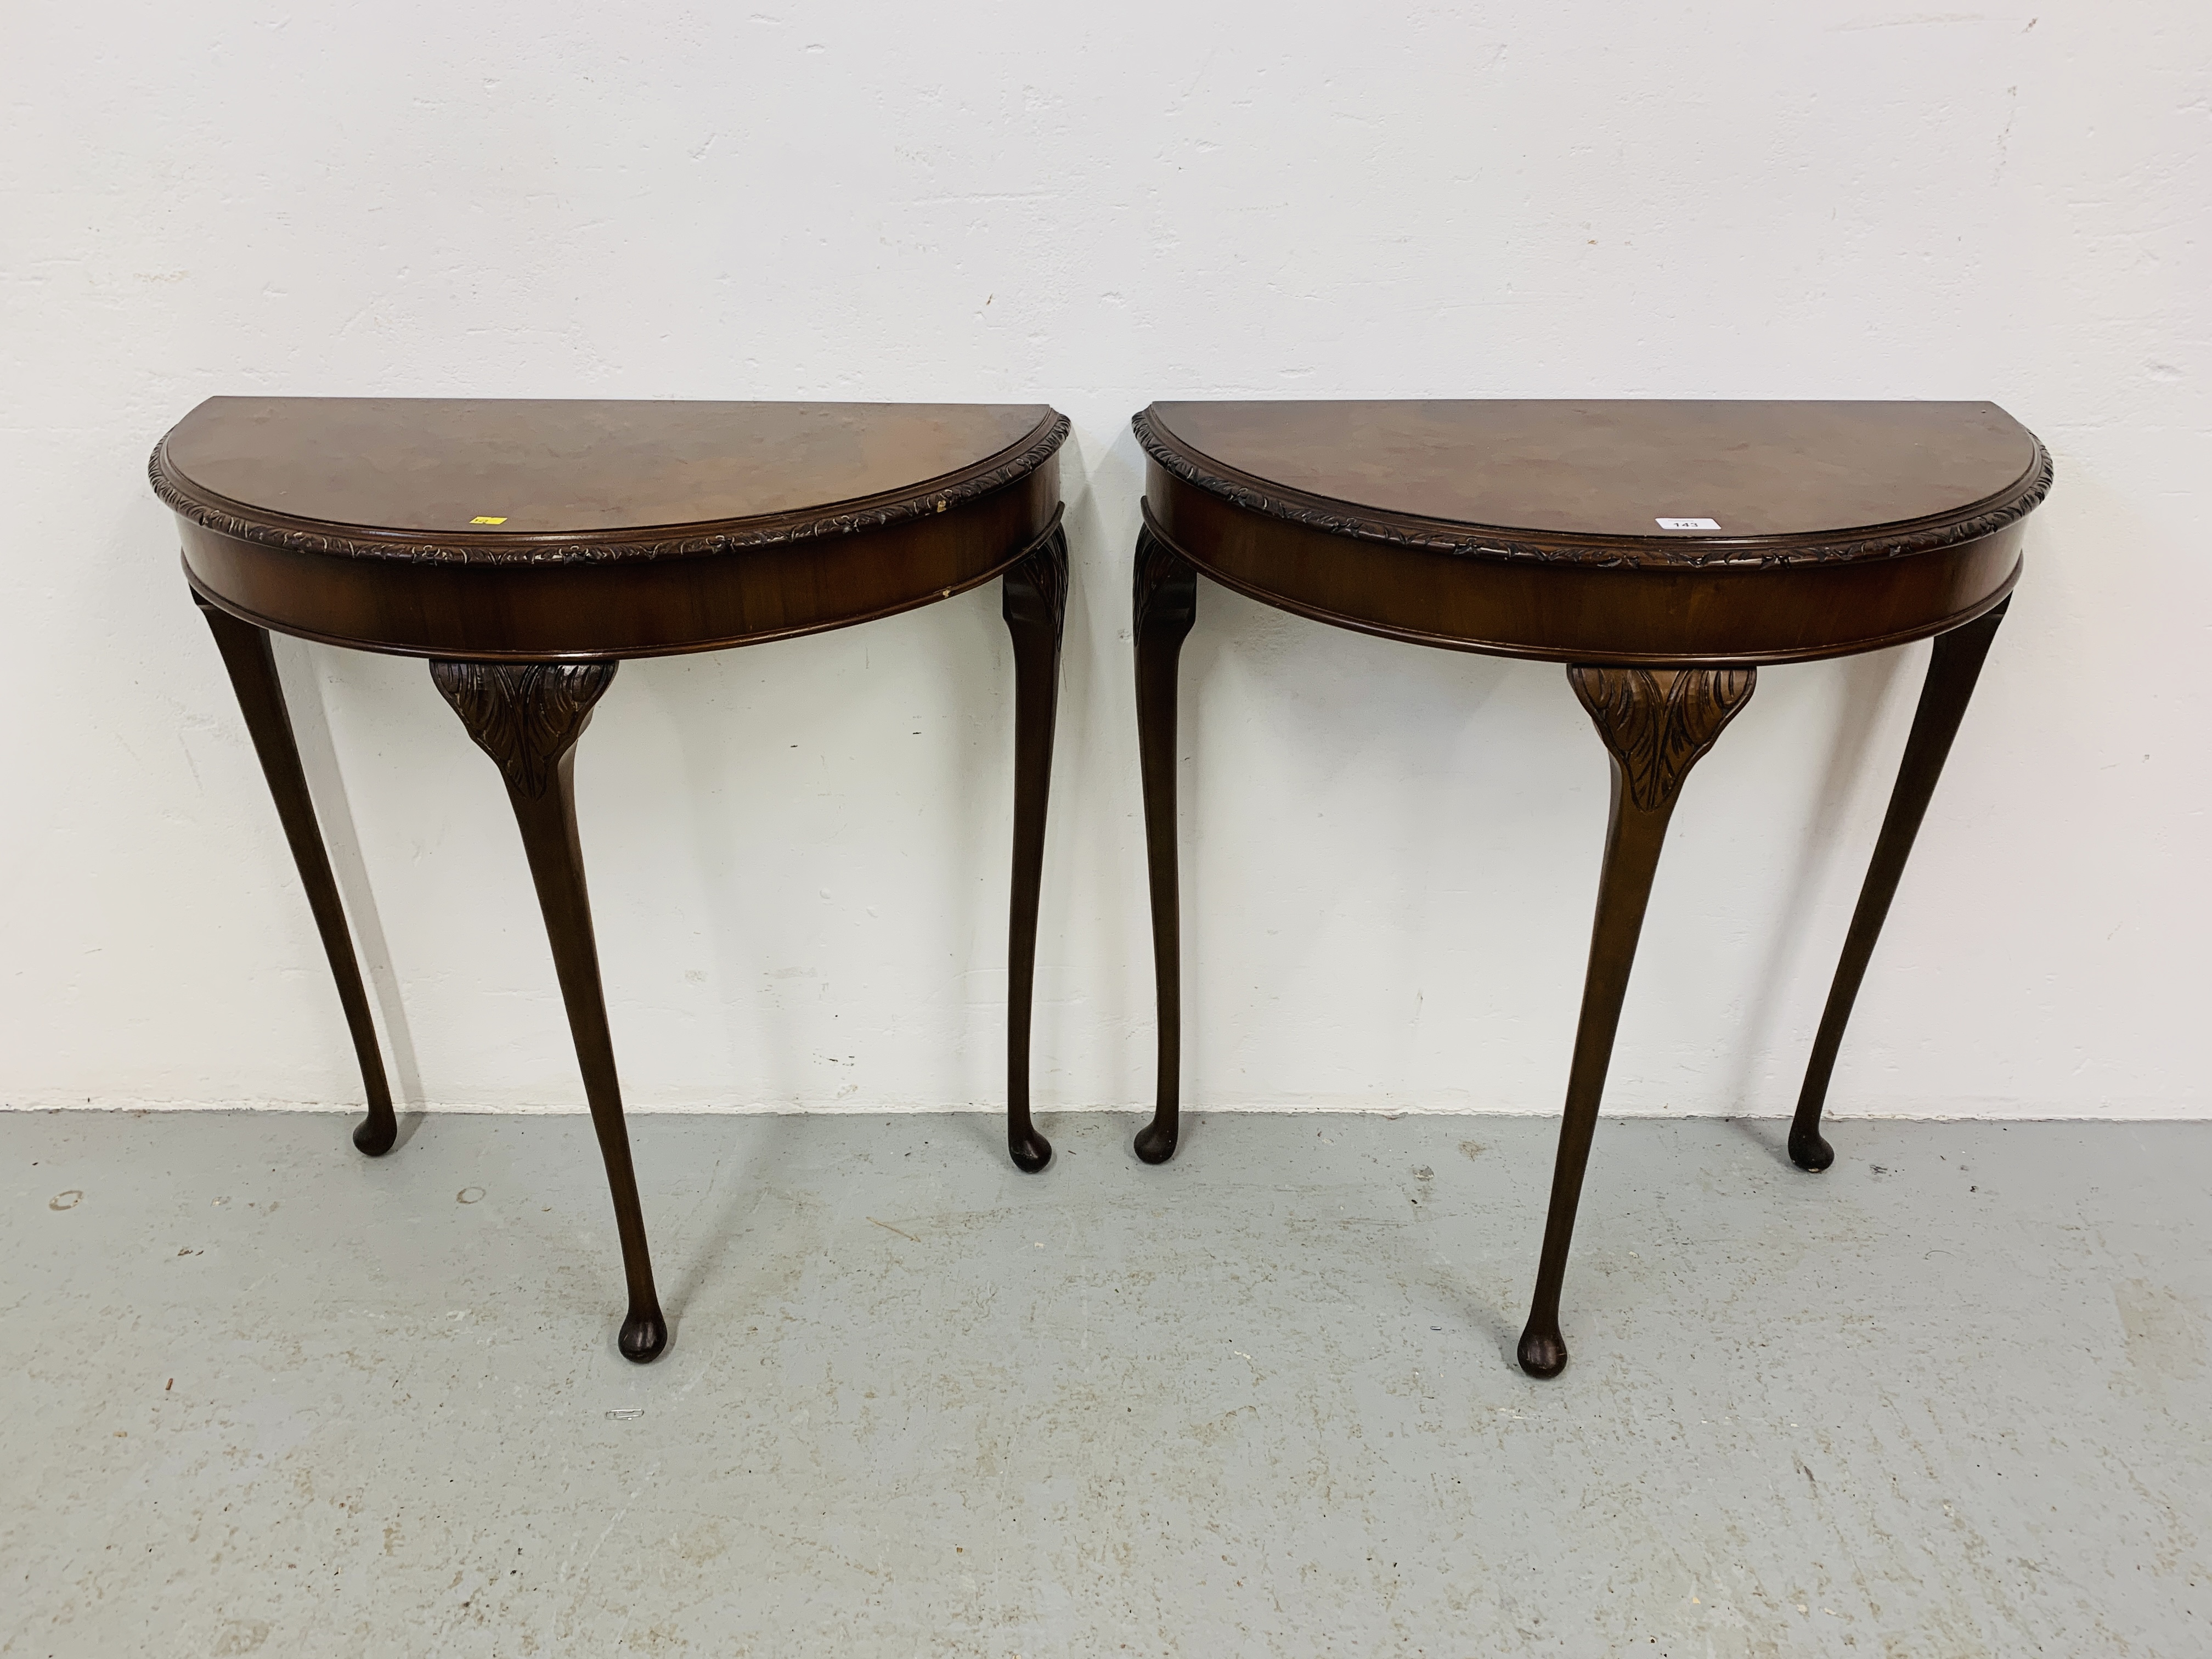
(799, 851)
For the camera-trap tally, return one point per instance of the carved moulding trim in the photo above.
(1336, 518)
(228, 517)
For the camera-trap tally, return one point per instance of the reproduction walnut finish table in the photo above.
(526, 548)
(1663, 551)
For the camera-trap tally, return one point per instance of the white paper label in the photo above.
(1687, 524)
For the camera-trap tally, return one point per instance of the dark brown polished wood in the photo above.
(1542, 530)
(527, 547)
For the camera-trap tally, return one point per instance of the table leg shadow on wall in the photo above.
(1866, 684)
(1953, 667)
(248, 658)
(297, 664)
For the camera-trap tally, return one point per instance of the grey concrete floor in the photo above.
(265, 1395)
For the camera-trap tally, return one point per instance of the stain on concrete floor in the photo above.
(264, 1396)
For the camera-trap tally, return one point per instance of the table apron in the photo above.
(1562, 612)
(585, 611)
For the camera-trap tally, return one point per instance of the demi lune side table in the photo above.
(1662, 550)
(525, 547)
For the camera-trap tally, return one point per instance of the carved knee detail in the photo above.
(525, 716)
(1035, 591)
(1166, 588)
(1658, 722)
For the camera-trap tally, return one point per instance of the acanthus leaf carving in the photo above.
(1657, 722)
(1165, 585)
(1035, 588)
(525, 715)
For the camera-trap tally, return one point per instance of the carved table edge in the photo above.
(921, 500)
(1336, 518)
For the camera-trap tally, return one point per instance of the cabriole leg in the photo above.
(1655, 724)
(1035, 602)
(253, 668)
(1952, 672)
(1166, 607)
(527, 716)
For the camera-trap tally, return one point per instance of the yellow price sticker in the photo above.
(481, 519)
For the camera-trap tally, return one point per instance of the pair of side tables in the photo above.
(1662, 552)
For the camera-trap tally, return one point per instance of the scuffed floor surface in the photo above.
(264, 1396)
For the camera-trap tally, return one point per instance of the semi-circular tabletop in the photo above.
(1631, 531)
(572, 530)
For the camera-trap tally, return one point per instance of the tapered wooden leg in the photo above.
(1035, 602)
(1166, 607)
(527, 716)
(1655, 724)
(1952, 672)
(253, 668)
